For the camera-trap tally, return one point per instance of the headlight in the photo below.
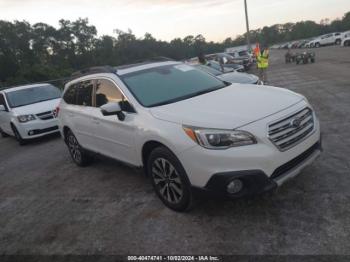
(25, 118)
(219, 139)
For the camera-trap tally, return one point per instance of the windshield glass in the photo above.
(209, 70)
(243, 53)
(32, 95)
(168, 84)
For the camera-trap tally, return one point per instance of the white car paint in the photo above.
(10, 116)
(249, 108)
(346, 39)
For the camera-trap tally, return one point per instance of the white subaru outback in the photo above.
(189, 129)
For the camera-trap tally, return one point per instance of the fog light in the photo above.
(31, 133)
(234, 186)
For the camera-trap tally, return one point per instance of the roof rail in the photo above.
(94, 70)
(145, 62)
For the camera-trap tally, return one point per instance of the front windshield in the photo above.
(209, 70)
(170, 83)
(32, 95)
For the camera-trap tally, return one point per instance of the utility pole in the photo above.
(247, 24)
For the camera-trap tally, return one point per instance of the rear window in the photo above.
(32, 95)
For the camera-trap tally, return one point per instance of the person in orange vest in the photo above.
(262, 59)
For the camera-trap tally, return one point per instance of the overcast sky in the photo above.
(167, 19)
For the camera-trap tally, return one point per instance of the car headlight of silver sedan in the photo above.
(25, 118)
(218, 138)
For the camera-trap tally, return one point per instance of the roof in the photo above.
(123, 69)
(16, 88)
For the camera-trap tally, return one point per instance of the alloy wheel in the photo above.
(74, 148)
(167, 180)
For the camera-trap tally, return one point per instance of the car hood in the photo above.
(228, 108)
(37, 108)
(237, 77)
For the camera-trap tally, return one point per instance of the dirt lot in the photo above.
(50, 206)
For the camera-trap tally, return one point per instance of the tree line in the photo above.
(40, 52)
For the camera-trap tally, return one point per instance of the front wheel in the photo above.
(18, 136)
(169, 179)
(338, 42)
(78, 154)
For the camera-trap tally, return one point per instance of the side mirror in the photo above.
(111, 109)
(2, 108)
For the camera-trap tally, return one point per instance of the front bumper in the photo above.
(256, 181)
(37, 128)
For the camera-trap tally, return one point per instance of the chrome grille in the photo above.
(289, 131)
(45, 115)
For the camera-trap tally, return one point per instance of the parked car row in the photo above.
(187, 128)
(232, 60)
(336, 38)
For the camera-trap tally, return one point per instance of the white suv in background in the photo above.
(328, 39)
(28, 111)
(189, 129)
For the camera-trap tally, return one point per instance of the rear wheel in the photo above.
(78, 154)
(347, 43)
(169, 179)
(18, 136)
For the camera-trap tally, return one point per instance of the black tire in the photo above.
(347, 43)
(80, 156)
(18, 137)
(169, 180)
(338, 42)
(312, 60)
(317, 45)
(3, 134)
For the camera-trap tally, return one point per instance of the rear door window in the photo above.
(70, 95)
(84, 93)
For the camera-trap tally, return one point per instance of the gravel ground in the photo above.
(50, 206)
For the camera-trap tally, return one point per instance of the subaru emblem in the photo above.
(295, 122)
